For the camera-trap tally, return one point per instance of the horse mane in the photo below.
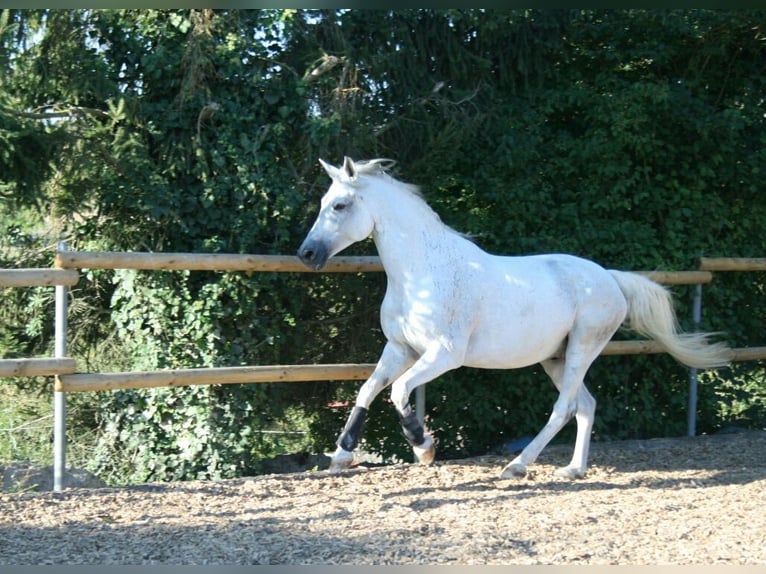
(380, 167)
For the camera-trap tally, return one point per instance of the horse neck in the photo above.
(407, 231)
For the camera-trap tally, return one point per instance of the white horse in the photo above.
(449, 303)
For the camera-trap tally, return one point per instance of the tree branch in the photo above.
(70, 112)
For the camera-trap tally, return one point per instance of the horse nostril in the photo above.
(313, 254)
(308, 255)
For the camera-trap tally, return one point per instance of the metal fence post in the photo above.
(420, 404)
(696, 319)
(59, 398)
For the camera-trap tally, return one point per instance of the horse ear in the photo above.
(349, 168)
(332, 171)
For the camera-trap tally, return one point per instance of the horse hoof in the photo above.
(570, 472)
(425, 452)
(340, 461)
(514, 470)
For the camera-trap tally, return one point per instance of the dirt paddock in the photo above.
(667, 501)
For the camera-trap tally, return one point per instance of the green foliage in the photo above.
(176, 434)
(740, 399)
(632, 137)
(25, 425)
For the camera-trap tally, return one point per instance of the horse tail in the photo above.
(651, 314)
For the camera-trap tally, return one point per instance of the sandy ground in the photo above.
(695, 500)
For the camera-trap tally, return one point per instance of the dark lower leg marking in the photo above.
(349, 438)
(413, 430)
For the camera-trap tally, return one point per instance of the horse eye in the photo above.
(339, 206)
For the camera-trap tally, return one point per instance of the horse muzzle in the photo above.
(314, 254)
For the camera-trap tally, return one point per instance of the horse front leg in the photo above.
(422, 443)
(434, 362)
(394, 360)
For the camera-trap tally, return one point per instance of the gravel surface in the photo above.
(695, 500)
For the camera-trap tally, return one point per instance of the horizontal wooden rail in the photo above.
(732, 263)
(213, 376)
(652, 347)
(209, 262)
(38, 277)
(632, 348)
(679, 277)
(748, 353)
(36, 367)
(294, 373)
(263, 263)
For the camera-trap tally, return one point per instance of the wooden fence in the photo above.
(263, 263)
(66, 273)
(732, 263)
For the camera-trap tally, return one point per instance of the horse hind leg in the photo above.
(584, 416)
(574, 400)
(584, 413)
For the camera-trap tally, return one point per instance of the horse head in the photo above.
(343, 218)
